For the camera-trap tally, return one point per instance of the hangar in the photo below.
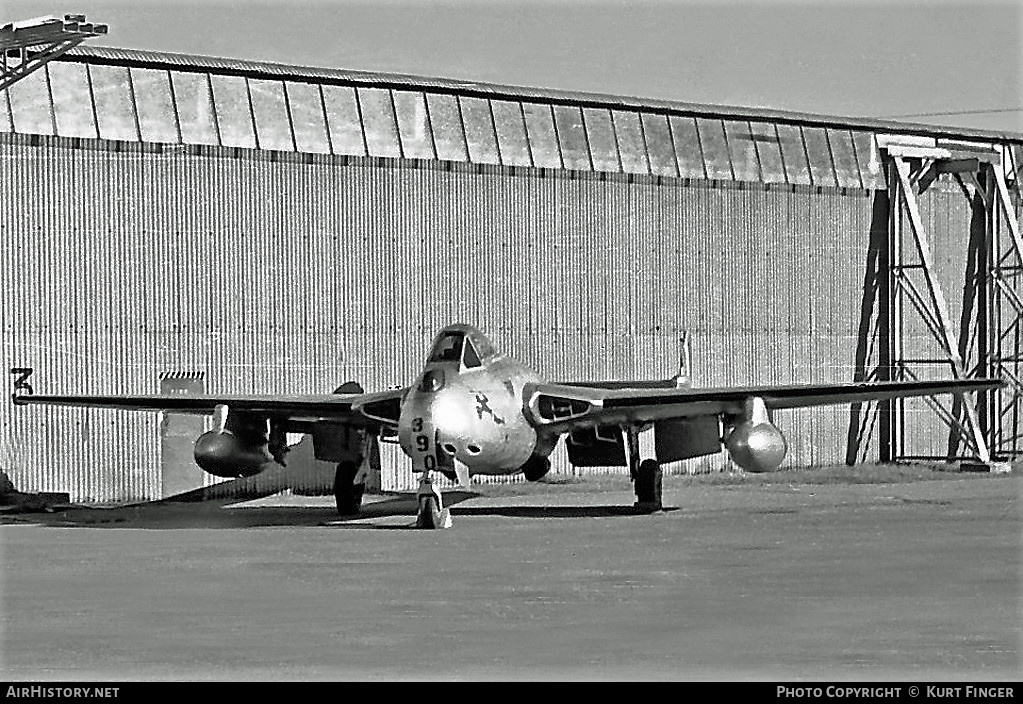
(184, 223)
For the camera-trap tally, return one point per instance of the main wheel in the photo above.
(347, 493)
(648, 485)
(429, 516)
(536, 468)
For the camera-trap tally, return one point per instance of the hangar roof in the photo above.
(130, 95)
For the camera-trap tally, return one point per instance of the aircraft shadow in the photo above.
(220, 512)
(557, 511)
(191, 513)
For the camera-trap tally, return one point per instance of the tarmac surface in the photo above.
(800, 576)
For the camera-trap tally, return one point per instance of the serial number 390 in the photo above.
(422, 441)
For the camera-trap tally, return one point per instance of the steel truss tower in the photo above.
(990, 334)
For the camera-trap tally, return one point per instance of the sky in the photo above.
(953, 63)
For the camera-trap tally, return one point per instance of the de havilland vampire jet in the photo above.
(473, 410)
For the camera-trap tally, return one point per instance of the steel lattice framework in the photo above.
(989, 339)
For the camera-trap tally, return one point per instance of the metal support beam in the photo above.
(1005, 348)
(891, 440)
(1010, 213)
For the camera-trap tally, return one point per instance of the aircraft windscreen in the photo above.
(471, 360)
(448, 348)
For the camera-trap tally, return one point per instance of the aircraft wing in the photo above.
(298, 407)
(563, 407)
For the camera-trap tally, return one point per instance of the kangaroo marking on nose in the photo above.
(484, 407)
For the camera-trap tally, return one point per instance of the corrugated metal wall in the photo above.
(293, 273)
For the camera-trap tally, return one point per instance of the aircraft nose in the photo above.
(436, 421)
(451, 416)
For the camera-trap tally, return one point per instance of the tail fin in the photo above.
(683, 379)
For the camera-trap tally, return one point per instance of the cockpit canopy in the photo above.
(448, 347)
(461, 344)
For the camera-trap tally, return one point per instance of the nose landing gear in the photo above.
(423, 449)
(431, 514)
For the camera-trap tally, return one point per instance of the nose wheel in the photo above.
(431, 514)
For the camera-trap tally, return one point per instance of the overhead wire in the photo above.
(955, 112)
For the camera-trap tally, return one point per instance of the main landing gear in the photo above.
(646, 474)
(348, 493)
(647, 484)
